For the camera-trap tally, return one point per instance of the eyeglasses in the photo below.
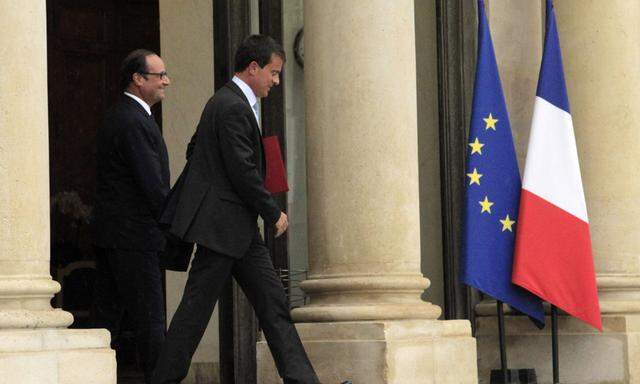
(162, 75)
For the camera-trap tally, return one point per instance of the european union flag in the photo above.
(492, 188)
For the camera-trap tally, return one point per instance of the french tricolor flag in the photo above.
(553, 258)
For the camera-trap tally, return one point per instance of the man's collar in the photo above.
(246, 89)
(140, 101)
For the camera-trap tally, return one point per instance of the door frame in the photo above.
(456, 38)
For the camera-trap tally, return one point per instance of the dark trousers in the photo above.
(255, 274)
(131, 281)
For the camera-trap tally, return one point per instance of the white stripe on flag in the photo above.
(552, 170)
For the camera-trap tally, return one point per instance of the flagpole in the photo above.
(554, 344)
(503, 344)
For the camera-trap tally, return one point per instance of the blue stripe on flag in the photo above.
(551, 84)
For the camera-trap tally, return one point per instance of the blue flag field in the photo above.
(492, 192)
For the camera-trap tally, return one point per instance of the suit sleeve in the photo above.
(238, 153)
(139, 149)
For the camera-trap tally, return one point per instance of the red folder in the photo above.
(276, 179)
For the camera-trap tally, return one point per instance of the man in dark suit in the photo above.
(132, 183)
(216, 205)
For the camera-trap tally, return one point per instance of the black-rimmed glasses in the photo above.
(162, 75)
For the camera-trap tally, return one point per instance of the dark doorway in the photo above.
(86, 41)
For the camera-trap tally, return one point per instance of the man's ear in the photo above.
(137, 78)
(253, 67)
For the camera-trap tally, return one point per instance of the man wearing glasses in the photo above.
(132, 183)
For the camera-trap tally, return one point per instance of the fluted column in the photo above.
(362, 163)
(35, 347)
(602, 61)
(26, 286)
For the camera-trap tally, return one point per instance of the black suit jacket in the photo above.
(220, 193)
(132, 179)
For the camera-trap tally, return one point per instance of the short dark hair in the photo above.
(258, 48)
(135, 62)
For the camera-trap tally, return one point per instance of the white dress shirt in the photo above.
(140, 101)
(251, 97)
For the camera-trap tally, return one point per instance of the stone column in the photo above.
(365, 320)
(363, 205)
(34, 346)
(602, 61)
(599, 42)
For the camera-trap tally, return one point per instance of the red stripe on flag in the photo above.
(553, 258)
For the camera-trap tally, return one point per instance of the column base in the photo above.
(384, 352)
(378, 312)
(56, 356)
(586, 355)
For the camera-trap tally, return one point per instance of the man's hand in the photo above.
(281, 224)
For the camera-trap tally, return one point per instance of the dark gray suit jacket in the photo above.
(132, 179)
(220, 193)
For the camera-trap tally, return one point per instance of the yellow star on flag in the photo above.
(491, 122)
(486, 205)
(476, 147)
(507, 223)
(475, 177)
